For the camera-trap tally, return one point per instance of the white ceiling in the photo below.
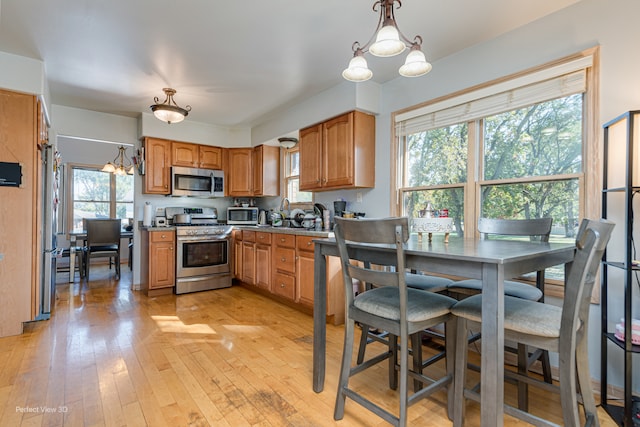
(233, 61)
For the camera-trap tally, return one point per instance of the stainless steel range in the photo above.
(203, 257)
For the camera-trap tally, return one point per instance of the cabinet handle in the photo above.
(282, 239)
(171, 248)
(283, 260)
(282, 285)
(309, 243)
(163, 236)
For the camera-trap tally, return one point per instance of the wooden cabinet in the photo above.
(253, 171)
(237, 254)
(284, 265)
(249, 257)
(211, 157)
(238, 173)
(338, 153)
(196, 155)
(263, 260)
(158, 261)
(157, 178)
(304, 269)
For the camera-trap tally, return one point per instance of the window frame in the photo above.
(70, 191)
(588, 179)
(286, 165)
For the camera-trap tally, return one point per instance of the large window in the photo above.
(516, 149)
(292, 177)
(97, 194)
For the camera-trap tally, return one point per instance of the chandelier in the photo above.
(389, 41)
(121, 165)
(169, 111)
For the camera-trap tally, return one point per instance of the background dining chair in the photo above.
(390, 306)
(103, 240)
(558, 329)
(537, 229)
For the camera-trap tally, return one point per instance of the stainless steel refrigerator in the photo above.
(50, 173)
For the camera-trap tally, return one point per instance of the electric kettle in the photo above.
(262, 218)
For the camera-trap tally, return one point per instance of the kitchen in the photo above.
(552, 37)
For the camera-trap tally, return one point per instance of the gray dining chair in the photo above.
(390, 306)
(537, 229)
(103, 240)
(558, 329)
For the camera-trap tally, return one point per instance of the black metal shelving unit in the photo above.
(620, 146)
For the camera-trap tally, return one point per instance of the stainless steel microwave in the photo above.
(197, 182)
(242, 216)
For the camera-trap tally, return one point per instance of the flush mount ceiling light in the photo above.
(288, 142)
(169, 111)
(389, 41)
(121, 165)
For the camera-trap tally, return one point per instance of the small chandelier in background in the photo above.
(169, 111)
(287, 142)
(389, 41)
(121, 165)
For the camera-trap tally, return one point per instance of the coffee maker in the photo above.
(339, 206)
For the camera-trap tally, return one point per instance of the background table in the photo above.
(491, 261)
(81, 235)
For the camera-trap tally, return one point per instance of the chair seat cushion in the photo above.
(106, 248)
(384, 302)
(427, 283)
(511, 288)
(527, 317)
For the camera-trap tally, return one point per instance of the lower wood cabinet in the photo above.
(282, 265)
(157, 252)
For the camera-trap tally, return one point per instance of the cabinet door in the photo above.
(248, 263)
(263, 266)
(237, 258)
(239, 175)
(266, 170)
(210, 157)
(158, 166)
(311, 158)
(256, 160)
(284, 286)
(338, 151)
(304, 277)
(162, 259)
(184, 154)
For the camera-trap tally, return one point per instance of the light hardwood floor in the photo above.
(229, 357)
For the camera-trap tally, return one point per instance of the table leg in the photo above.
(319, 319)
(72, 258)
(446, 237)
(492, 361)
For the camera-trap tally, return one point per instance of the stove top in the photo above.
(217, 230)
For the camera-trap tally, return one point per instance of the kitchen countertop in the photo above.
(286, 230)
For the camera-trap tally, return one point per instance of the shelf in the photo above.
(613, 339)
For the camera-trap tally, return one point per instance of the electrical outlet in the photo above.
(359, 197)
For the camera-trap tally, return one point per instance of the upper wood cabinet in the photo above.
(338, 153)
(195, 155)
(157, 178)
(253, 171)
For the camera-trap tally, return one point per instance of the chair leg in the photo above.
(584, 380)
(345, 369)
(568, 395)
(364, 338)
(460, 372)
(416, 352)
(393, 361)
(450, 332)
(546, 367)
(404, 380)
(523, 368)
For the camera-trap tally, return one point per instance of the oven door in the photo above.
(202, 256)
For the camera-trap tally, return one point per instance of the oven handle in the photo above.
(207, 238)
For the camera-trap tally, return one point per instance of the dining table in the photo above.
(79, 235)
(491, 261)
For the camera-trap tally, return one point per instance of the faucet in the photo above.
(284, 199)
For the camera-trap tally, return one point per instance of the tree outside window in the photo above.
(97, 194)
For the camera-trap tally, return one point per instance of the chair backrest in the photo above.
(387, 231)
(537, 229)
(591, 241)
(103, 232)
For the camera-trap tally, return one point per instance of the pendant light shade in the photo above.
(168, 111)
(389, 41)
(358, 71)
(121, 165)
